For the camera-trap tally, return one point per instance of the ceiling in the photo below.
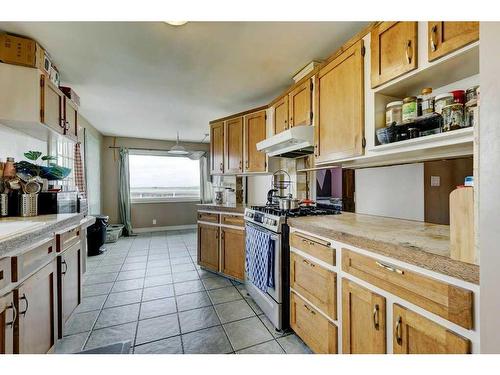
(150, 79)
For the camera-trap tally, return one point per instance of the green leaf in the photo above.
(49, 157)
(32, 155)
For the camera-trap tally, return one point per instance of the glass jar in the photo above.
(453, 117)
(441, 101)
(393, 113)
(471, 93)
(410, 109)
(458, 96)
(427, 101)
(471, 113)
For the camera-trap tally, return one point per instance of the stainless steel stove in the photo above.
(273, 221)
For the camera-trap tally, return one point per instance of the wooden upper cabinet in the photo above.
(280, 118)
(393, 51)
(445, 37)
(363, 320)
(300, 104)
(208, 246)
(232, 250)
(51, 108)
(217, 148)
(233, 161)
(255, 131)
(414, 334)
(339, 130)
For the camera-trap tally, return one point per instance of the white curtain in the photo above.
(206, 191)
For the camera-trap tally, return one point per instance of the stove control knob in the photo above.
(274, 222)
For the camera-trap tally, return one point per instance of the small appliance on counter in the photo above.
(61, 202)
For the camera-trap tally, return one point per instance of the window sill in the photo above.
(180, 200)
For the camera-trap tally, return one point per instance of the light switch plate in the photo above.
(435, 181)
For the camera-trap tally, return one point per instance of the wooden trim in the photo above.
(240, 114)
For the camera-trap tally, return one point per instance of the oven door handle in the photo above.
(260, 229)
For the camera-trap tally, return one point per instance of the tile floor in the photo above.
(149, 289)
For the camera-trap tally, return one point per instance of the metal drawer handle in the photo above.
(310, 310)
(409, 51)
(390, 268)
(399, 331)
(308, 263)
(14, 315)
(65, 267)
(376, 318)
(433, 38)
(27, 304)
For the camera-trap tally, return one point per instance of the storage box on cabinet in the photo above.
(33, 258)
(313, 246)
(319, 333)
(8, 315)
(415, 334)
(316, 283)
(363, 320)
(448, 301)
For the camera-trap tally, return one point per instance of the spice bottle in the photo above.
(427, 101)
(9, 170)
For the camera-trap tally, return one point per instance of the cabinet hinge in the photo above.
(42, 115)
(41, 81)
(311, 85)
(265, 116)
(363, 50)
(363, 142)
(311, 115)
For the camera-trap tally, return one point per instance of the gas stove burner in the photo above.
(297, 212)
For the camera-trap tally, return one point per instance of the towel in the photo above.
(259, 258)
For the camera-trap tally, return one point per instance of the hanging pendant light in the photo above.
(177, 149)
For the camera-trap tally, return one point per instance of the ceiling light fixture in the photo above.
(176, 23)
(177, 149)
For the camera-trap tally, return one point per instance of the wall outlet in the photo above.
(435, 181)
(154, 221)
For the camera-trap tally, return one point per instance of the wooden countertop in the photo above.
(421, 244)
(238, 208)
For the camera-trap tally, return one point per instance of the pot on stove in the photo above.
(288, 203)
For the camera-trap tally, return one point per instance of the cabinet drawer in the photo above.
(67, 238)
(27, 262)
(315, 247)
(317, 331)
(5, 273)
(448, 301)
(205, 216)
(315, 283)
(232, 220)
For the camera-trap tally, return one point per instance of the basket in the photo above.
(113, 232)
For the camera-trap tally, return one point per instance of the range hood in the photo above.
(292, 143)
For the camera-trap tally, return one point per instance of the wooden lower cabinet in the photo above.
(208, 246)
(7, 316)
(415, 334)
(69, 266)
(363, 320)
(319, 333)
(233, 252)
(35, 301)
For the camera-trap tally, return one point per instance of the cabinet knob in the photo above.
(221, 167)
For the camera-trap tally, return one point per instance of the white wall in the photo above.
(489, 188)
(15, 144)
(258, 186)
(396, 191)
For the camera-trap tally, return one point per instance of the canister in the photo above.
(471, 93)
(441, 101)
(427, 101)
(410, 109)
(393, 113)
(453, 117)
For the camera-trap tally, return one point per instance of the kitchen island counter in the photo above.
(421, 244)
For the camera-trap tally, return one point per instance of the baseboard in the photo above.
(161, 229)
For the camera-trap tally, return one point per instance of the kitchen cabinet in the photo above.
(208, 246)
(363, 320)
(51, 111)
(233, 134)
(319, 333)
(393, 51)
(8, 315)
(280, 115)
(255, 132)
(415, 334)
(217, 148)
(70, 118)
(34, 299)
(339, 130)
(300, 104)
(232, 252)
(69, 268)
(445, 37)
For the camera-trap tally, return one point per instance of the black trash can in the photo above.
(96, 235)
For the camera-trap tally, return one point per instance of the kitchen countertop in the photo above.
(238, 208)
(421, 244)
(17, 233)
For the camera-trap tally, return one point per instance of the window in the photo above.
(64, 151)
(159, 178)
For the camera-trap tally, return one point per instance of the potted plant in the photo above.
(52, 172)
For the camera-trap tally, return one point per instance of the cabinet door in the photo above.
(280, 119)
(233, 162)
(233, 252)
(340, 106)
(69, 284)
(35, 329)
(51, 111)
(7, 316)
(414, 334)
(208, 246)
(300, 104)
(363, 320)
(446, 37)
(217, 148)
(393, 51)
(70, 119)
(255, 131)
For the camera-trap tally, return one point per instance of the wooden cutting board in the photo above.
(462, 245)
